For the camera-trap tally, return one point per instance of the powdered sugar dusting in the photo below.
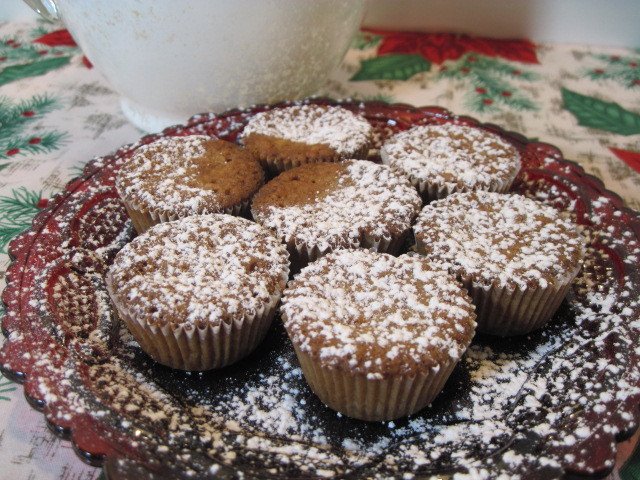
(344, 131)
(202, 269)
(465, 157)
(507, 239)
(368, 199)
(536, 405)
(161, 176)
(375, 314)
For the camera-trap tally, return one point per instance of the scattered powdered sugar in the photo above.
(375, 314)
(260, 415)
(458, 155)
(204, 268)
(528, 406)
(162, 176)
(344, 131)
(368, 199)
(509, 239)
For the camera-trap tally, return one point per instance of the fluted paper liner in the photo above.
(430, 190)
(143, 218)
(302, 254)
(356, 396)
(507, 310)
(188, 347)
(276, 164)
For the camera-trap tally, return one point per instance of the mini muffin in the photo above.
(285, 138)
(377, 336)
(200, 292)
(516, 256)
(443, 159)
(317, 208)
(180, 176)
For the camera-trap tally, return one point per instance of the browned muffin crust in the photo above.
(378, 315)
(183, 176)
(303, 185)
(269, 149)
(203, 270)
(443, 159)
(333, 205)
(497, 239)
(284, 138)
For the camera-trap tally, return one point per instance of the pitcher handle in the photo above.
(47, 9)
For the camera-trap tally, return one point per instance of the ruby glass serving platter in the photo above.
(545, 405)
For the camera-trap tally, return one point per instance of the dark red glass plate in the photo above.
(550, 404)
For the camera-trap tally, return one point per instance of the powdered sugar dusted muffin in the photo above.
(516, 256)
(442, 159)
(317, 208)
(200, 292)
(284, 138)
(377, 336)
(180, 176)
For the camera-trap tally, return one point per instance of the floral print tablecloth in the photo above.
(56, 113)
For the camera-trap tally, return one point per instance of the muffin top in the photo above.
(505, 239)
(189, 175)
(378, 315)
(200, 270)
(334, 127)
(333, 204)
(464, 157)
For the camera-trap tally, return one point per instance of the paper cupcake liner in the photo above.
(356, 396)
(430, 191)
(302, 254)
(277, 164)
(506, 311)
(143, 218)
(196, 349)
(435, 191)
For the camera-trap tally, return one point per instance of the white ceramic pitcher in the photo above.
(170, 59)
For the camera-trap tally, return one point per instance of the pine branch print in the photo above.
(12, 51)
(77, 170)
(32, 144)
(623, 70)
(491, 79)
(40, 29)
(6, 387)
(16, 213)
(16, 117)
(21, 206)
(9, 232)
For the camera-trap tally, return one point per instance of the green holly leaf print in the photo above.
(391, 67)
(16, 72)
(595, 113)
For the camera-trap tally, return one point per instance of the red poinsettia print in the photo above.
(58, 38)
(627, 156)
(86, 62)
(438, 47)
(435, 47)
